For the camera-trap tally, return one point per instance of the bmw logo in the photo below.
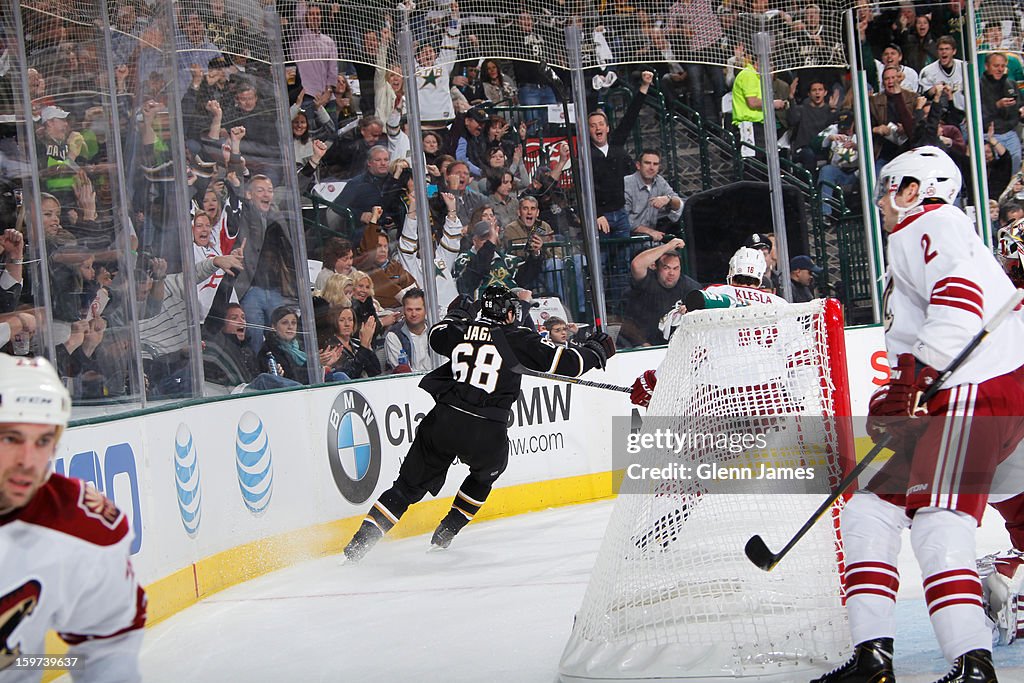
(254, 463)
(186, 480)
(353, 446)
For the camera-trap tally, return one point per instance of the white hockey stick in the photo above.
(757, 550)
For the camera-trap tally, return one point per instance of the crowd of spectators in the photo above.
(497, 213)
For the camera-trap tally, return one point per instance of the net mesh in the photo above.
(671, 594)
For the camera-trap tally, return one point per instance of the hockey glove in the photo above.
(643, 387)
(602, 345)
(461, 309)
(900, 399)
(907, 381)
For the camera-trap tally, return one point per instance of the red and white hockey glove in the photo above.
(643, 387)
(899, 398)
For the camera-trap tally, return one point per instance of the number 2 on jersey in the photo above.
(477, 366)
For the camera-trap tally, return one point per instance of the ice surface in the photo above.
(496, 607)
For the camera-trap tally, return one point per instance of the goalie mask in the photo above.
(31, 392)
(747, 263)
(937, 176)
(497, 302)
(1011, 251)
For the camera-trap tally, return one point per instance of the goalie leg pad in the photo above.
(943, 542)
(1002, 575)
(871, 538)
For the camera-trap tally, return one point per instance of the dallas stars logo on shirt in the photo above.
(430, 74)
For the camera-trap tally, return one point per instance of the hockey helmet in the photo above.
(496, 302)
(31, 391)
(1011, 251)
(937, 175)
(749, 263)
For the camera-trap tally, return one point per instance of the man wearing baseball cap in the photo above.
(802, 271)
(58, 147)
(772, 280)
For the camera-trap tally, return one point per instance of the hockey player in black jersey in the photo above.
(474, 392)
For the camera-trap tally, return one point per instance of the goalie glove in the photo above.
(643, 387)
(603, 347)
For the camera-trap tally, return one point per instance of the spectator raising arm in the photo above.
(645, 260)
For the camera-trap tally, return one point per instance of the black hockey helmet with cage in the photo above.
(496, 302)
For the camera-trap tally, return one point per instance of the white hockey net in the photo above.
(672, 596)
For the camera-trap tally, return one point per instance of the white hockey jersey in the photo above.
(746, 296)
(433, 82)
(741, 295)
(445, 253)
(942, 285)
(64, 565)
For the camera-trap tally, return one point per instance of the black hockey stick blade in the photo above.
(757, 551)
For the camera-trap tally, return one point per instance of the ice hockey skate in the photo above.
(443, 535)
(971, 667)
(363, 541)
(871, 663)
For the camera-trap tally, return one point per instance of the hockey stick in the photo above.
(522, 370)
(512, 363)
(757, 550)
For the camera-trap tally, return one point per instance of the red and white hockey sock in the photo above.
(943, 542)
(871, 541)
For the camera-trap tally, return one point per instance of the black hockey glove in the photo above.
(602, 345)
(461, 309)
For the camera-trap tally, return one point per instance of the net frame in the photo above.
(672, 596)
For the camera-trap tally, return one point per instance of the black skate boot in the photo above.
(364, 540)
(442, 537)
(971, 667)
(452, 524)
(871, 663)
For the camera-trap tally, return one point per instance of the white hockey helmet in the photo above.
(31, 391)
(748, 263)
(937, 175)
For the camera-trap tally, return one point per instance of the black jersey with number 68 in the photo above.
(478, 379)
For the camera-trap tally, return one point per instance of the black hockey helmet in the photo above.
(496, 302)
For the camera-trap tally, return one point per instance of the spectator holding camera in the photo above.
(892, 116)
(1001, 105)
